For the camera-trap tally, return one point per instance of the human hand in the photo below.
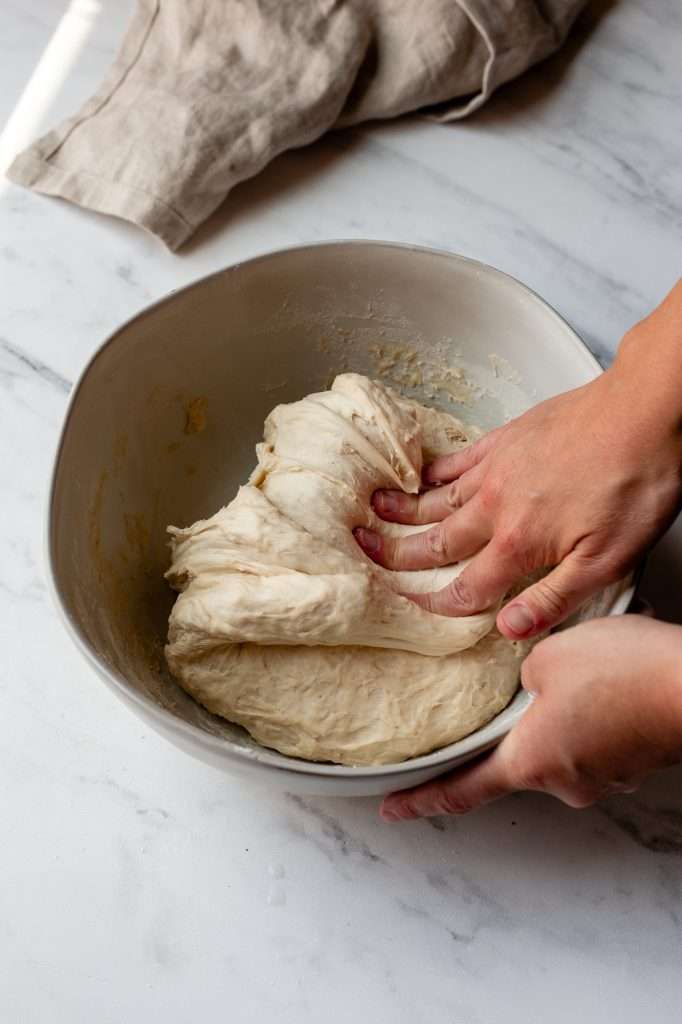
(607, 712)
(584, 483)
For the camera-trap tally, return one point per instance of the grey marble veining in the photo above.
(138, 884)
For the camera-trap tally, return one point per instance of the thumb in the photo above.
(456, 793)
(553, 598)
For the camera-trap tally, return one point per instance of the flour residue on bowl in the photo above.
(404, 367)
(503, 369)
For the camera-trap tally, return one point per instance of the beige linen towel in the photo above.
(204, 93)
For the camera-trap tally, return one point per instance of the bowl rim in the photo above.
(220, 746)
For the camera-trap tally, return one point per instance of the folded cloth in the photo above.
(204, 93)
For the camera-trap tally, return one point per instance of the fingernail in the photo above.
(518, 619)
(385, 501)
(368, 540)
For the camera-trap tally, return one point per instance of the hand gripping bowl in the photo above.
(162, 426)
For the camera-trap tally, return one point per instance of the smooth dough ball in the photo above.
(285, 627)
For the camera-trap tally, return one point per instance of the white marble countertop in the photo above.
(138, 884)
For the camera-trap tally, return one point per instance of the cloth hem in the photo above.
(102, 196)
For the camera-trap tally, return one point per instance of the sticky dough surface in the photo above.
(284, 626)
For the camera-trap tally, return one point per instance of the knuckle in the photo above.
(510, 541)
(429, 603)
(552, 601)
(453, 495)
(489, 495)
(459, 593)
(403, 806)
(421, 513)
(391, 552)
(450, 802)
(435, 541)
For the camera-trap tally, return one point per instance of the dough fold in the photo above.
(284, 626)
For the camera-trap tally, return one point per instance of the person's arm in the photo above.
(607, 712)
(583, 483)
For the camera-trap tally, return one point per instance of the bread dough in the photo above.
(284, 625)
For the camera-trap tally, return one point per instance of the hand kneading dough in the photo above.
(284, 626)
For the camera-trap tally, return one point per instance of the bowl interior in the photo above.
(163, 423)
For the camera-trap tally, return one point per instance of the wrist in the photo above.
(647, 370)
(641, 414)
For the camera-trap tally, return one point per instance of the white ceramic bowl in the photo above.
(229, 347)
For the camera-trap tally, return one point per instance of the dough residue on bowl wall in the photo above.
(196, 415)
